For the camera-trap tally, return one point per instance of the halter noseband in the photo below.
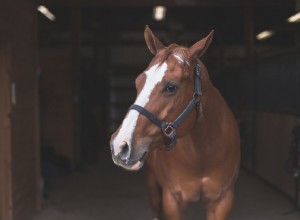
(169, 128)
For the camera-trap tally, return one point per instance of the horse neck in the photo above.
(214, 108)
(215, 118)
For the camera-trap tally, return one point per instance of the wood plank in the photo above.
(136, 3)
(19, 32)
(5, 136)
(58, 117)
(274, 139)
(76, 23)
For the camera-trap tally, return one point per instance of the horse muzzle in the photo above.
(128, 159)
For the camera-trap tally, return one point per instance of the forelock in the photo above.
(178, 53)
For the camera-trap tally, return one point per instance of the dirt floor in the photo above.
(106, 192)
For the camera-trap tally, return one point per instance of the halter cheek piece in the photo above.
(169, 128)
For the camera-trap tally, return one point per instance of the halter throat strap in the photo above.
(169, 128)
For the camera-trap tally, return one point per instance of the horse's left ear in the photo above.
(153, 44)
(199, 48)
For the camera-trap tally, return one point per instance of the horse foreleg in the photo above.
(219, 210)
(173, 206)
(155, 194)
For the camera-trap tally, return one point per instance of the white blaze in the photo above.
(153, 76)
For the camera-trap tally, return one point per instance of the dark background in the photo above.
(73, 80)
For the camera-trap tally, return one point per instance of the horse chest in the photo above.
(180, 182)
(188, 191)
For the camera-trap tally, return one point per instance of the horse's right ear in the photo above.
(153, 44)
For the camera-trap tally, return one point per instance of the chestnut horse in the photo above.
(183, 130)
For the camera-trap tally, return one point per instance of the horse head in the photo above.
(164, 90)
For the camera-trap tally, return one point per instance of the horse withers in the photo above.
(181, 128)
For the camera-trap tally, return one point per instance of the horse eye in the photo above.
(170, 88)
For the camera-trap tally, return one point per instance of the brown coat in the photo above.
(205, 161)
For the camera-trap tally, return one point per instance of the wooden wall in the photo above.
(5, 134)
(274, 141)
(269, 95)
(57, 86)
(18, 31)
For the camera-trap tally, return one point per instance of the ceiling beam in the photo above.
(171, 3)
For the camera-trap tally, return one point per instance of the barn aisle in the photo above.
(108, 192)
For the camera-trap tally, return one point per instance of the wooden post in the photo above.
(38, 120)
(250, 60)
(297, 36)
(6, 211)
(76, 71)
(297, 191)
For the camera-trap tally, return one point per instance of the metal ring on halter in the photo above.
(169, 130)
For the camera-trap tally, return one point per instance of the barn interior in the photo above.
(67, 80)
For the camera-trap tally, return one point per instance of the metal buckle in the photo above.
(196, 96)
(169, 130)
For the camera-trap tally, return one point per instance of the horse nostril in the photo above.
(125, 151)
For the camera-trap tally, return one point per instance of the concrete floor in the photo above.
(106, 192)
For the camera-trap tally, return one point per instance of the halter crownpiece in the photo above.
(169, 128)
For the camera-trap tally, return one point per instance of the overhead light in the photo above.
(265, 35)
(159, 13)
(294, 18)
(45, 11)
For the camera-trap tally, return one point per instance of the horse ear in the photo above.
(153, 44)
(199, 48)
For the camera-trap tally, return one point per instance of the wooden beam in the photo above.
(6, 209)
(297, 35)
(76, 23)
(144, 3)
